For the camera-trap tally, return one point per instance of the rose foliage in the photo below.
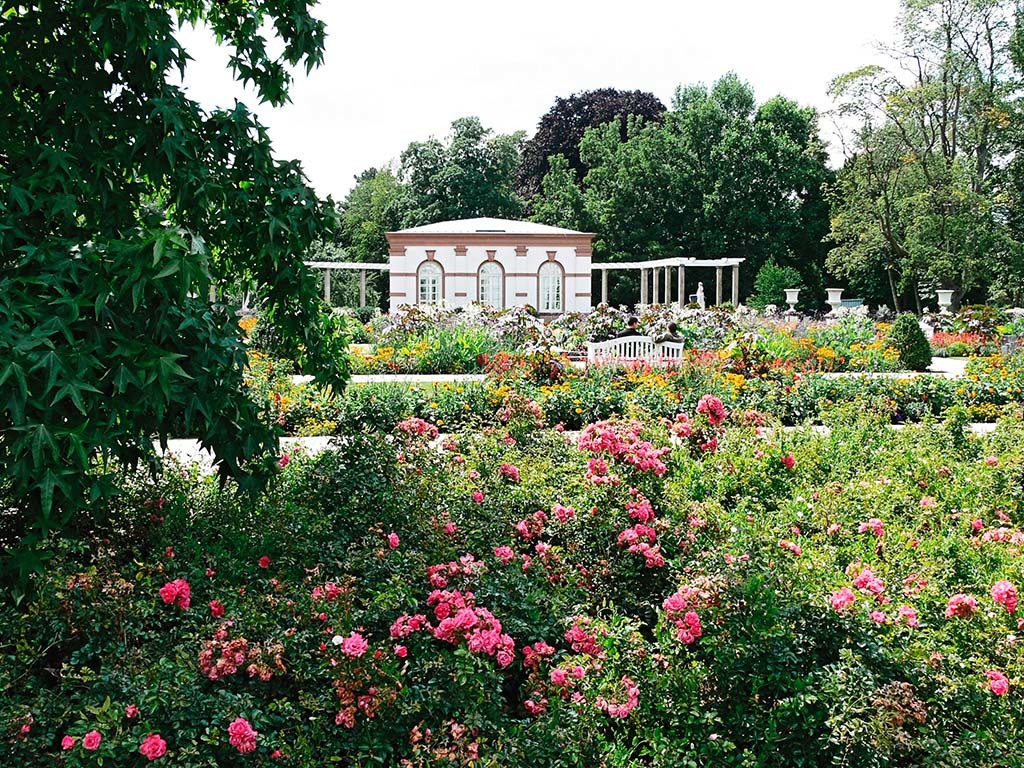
(705, 590)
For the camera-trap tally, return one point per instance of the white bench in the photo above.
(633, 348)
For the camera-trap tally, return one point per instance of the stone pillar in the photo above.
(604, 286)
(656, 285)
(327, 286)
(362, 287)
(682, 286)
(736, 285)
(643, 285)
(718, 286)
(668, 285)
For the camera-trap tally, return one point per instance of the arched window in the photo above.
(429, 281)
(491, 284)
(549, 277)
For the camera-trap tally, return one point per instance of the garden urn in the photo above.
(792, 295)
(835, 298)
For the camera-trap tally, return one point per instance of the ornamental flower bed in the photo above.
(634, 594)
(437, 340)
(559, 393)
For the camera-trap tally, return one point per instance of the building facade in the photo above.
(497, 262)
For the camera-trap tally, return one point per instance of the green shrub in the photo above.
(907, 338)
(771, 283)
(376, 407)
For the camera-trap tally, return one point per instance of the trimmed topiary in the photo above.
(907, 338)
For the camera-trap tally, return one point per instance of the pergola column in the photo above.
(668, 285)
(362, 287)
(735, 285)
(682, 286)
(604, 286)
(718, 286)
(656, 285)
(327, 286)
(643, 285)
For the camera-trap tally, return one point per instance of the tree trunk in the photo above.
(892, 289)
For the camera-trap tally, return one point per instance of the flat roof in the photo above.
(676, 262)
(488, 226)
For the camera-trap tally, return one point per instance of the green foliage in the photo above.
(561, 129)
(469, 175)
(716, 176)
(771, 283)
(924, 199)
(113, 229)
(907, 338)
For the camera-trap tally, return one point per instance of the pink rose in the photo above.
(354, 645)
(242, 736)
(401, 651)
(393, 540)
(843, 598)
(1005, 593)
(177, 592)
(997, 682)
(68, 742)
(284, 460)
(91, 740)
(961, 605)
(264, 562)
(788, 461)
(153, 746)
(131, 711)
(216, 609)
(478, 497)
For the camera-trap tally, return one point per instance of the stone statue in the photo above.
(700, 296)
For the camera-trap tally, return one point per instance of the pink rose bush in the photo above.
(659, 587)
(621, 441)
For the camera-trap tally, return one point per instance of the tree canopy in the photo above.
(122, 204)
(716, 176)
(470, 174)
(922, 201)
(561, 130)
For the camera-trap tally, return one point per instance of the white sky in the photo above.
(397, 72)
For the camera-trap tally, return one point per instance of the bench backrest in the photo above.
(631, 348)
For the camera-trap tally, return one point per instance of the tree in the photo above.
(771, 283)
(920, 195)
(561, 130)
(469, 175)
(376, 205)
(717, 176)
(561, 203)
(122, 204)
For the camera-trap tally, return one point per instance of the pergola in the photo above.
(656, 283)
(362, 266)
(658, 273)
